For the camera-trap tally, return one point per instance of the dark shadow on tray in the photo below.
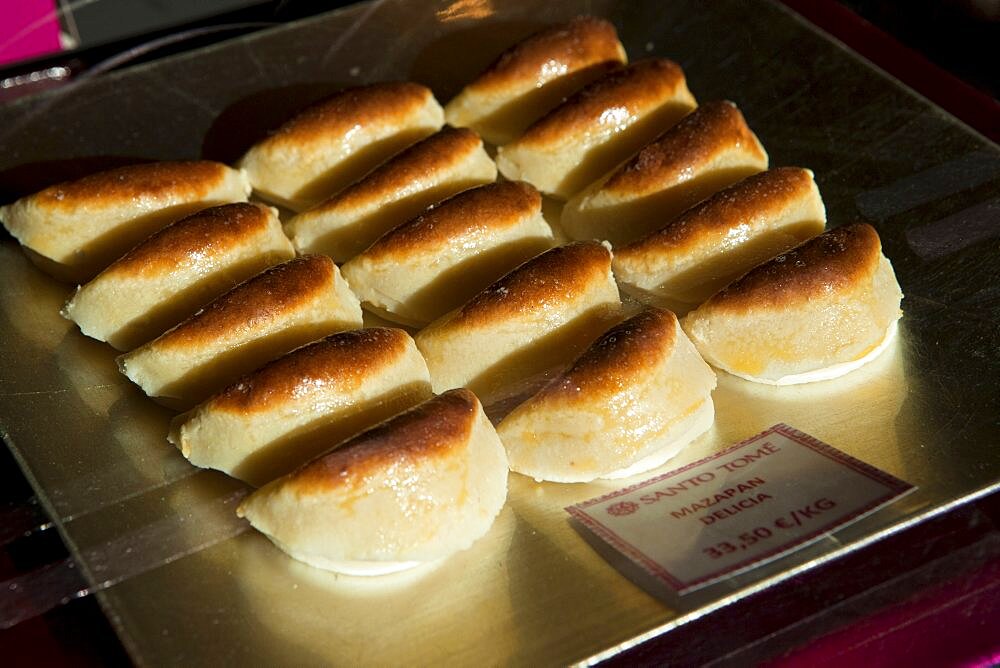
(522, 111)
(453, 60)
(343, 243)
(248, 120)
(354, 167)
(213, 373)
(555, 349)
(456, 285)
(187, 300)
(139, 428)
(627, 221)
(30, 297)
(607, 156)
(31, 177)
(288, 452)
(86, 363)
(98, 253)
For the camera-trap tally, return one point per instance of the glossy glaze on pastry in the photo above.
(434, 263)
(176, 271)
(709, 149)
(720, 239)
(426, 173)
(537, 317)
(260, 319)
(632, 401)
(415, 489)
(334, 142)
(591, 132)
(533, 76)
(74, 230)
(280, 416)
(820, 309)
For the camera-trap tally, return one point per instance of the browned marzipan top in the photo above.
(337, 363)
(612, 363)
(550, 280)
(580, 43)
(380, 103)
(493, 206)
(254, 303)
(186, 180)
(209, 232)
(703, 134)
(835, 260)
(761, 195)
(441, 151)
(437, 429)
(636, 88)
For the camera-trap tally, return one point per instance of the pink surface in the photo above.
(956, 624)
(29, 28)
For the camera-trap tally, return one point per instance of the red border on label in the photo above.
(896, 487)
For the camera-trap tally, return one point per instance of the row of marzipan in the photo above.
(266, 353)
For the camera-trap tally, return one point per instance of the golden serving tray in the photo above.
(183, 581)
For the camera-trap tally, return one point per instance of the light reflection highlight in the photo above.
(466, 9)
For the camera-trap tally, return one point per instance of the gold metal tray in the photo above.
(183, 581)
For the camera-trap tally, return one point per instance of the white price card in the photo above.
(737, 509)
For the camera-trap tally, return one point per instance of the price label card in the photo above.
(742, 507)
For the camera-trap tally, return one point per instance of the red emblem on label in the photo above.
(623, 508)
